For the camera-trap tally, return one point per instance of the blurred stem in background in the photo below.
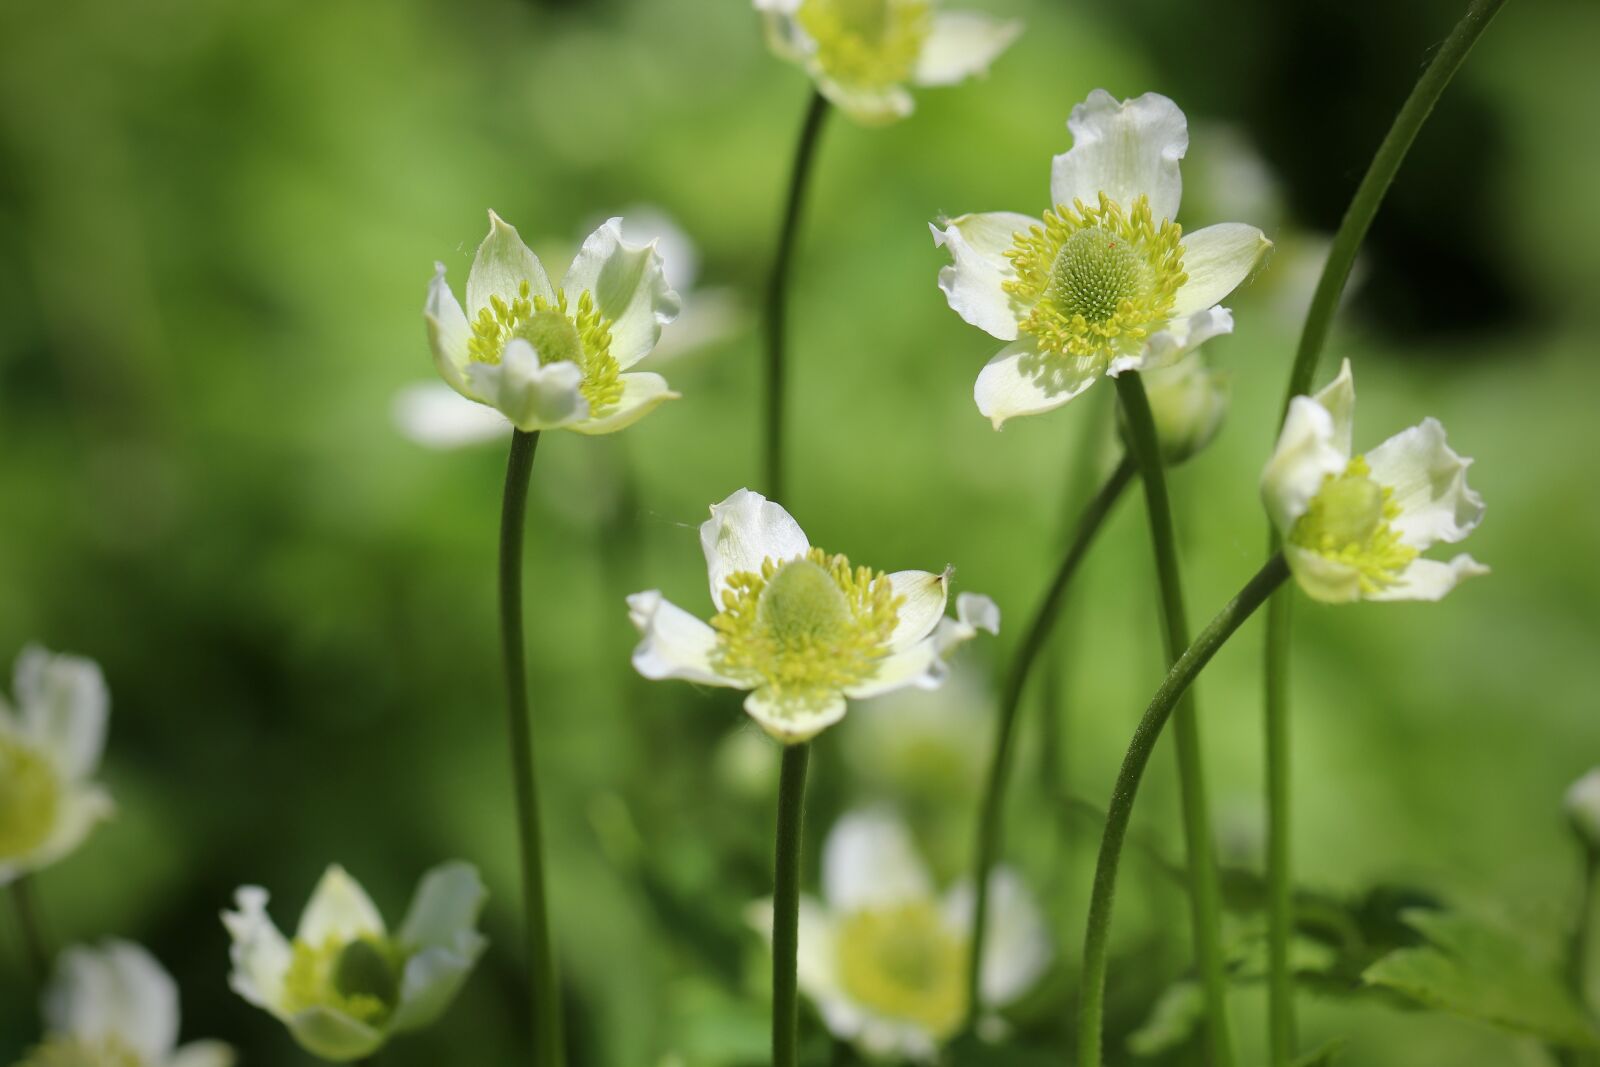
(1033, 641)
(1092, 991)
(778, 294)
(1205, 891)
(786, 906)
(545, 1018)
(30, 928)
(1578, 951)
(1319, 320)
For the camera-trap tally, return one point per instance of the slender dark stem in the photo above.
(1205, 891)
(34, 943)
(786, 907)
(1281, 1035)
(778, 292)
(1033, 640)
(1194, 659)
(545, 1017)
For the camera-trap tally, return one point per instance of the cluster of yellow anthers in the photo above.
(76, 1052)
(904, 961)
(867, 43)
(806, 625)
(29, 798)
(355, 978)
(1350, 520)
(1098, 278)
(582, 337)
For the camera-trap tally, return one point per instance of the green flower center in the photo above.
(904, 962)
(1350, 521)
(359, 978)
(30, 797)
(71, 1052)
(558, 335)
(867, 44)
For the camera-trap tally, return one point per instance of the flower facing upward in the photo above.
(50, 745)
(1106, 281)
(863, 53)
(554, 358)
(1355, 526)
(800, 628)
(344, 985)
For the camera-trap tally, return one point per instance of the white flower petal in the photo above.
(259, 953)
(1020, 381)
(1328, 580)
(918, 665)
(432, 979)
(531, 395)
(923, 598)
(744, 530)
(674, 643)
(447, 903)
(203, 1054)
(877, 106)
(1339, 398)
(960, 44)
(974, 612)
(1582, 802)
(79, 811)
(972, 283)
(796, 718)
(63, 705)
(870, 861)
(436, 416)
(448, 332)
(1016, 950)
(1430, 579)
(1217, 259)
(333, 1035)
(630, 290)
(1168, 346)
(644, 224)
(339, 909)
(1123, 149)
(1430, 485)
(502, 264)
(642, 393)
(116, 991)
(1306, 453)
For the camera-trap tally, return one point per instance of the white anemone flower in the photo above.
(863, 53)
(1188, 402)
(1355, 526)
(884, 957)
(115, 1006)
(798, 627)
(1106, 281)
(50, 747)
(549, 357)
(345, 985)
(1583, 807)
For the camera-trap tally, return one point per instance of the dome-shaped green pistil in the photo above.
(559, 333)
(905, 962)
(553, 336)
(803, 606)
(866, 43)
(359, 978)
(30, 796)
(1095, 272)
(1350, 521)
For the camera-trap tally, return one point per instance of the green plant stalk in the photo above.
(1319, 320)
(34, 944)
(1578, 950)
(1205, 891)
(1033, 641)
(1091, 1004)
(545, 992)
(778, 293)
(786, 906)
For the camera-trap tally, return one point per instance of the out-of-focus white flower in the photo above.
(1355, 526)
(884, 957)
(345, 985)
(1583, 807)
(114, 1006)
(1188, 401)
(799, 628)
(919, 745)
(1106, 281)
(863, 53)
(50, 746)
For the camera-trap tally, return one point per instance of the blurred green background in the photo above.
(216, 225)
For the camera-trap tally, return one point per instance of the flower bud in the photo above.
(1188, 401)
(1583, 808)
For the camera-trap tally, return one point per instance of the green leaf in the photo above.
(1174, 1019)
(1322, 1056)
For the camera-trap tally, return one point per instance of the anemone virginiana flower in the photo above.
(345, 985)
(1355, 526)
(798, 627)
(1106, 281)
(863, 53)
(50, 746)
(1188, 402)
(115, 1006)
(549, 357)
(884, 957)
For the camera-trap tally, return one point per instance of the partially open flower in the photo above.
(1188, 402)
(1106, 281)
(345, 985)
(50, 747)
(1355, 526)
(863, 53)
(799, 628)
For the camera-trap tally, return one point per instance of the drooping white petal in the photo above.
(1430, 486)
(114, 992)
(436, 416)
(917, 665)
(674, 644)
(63, 704)
(333, 1035)
(793, 719)
(1430, 579)
(502, 264)
(744, 530)
(922, 595)
(1021, 381)
(1339, 398)
(1124, 149)
(642, 393)
(446, 905)
(974, 612)
(1217, 259)
(531, 395)
(259, 953)
(972, 283)
(1331, 581)
(432, 979)
(448, 332)
(1177, 339)
(339, 909)
(630, 290)
(1017, 948)
(1306, 453)
(960, 44)
(870, 106)
(868, 861)
(203, 1054)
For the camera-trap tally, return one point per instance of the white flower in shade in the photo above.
(114, 1006)
(345, 985)
(1583, 807)
(1106, 281)
(50, 746)
(1355, 527)
(555, 358)
(863, 53)
(1188, 402)
(884, 957)
(799, 628)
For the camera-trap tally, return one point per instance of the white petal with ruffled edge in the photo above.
(973, 282)
(744, 530)
(630, 290)
(339, 910)
(502, 264)
(63, 705)
(961, 44)
(1430, 579)
(1168, 346)
(642, 393)
(794, 718)
(532, 395)
(1306, 453)
(974, 612)
(674, 644)
(869, 861)
(259, 952)
(1217, 260)
(1016, 947)
(1429, 481)
(1021, 381)
(1124, 149)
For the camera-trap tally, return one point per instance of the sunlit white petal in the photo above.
(1217, 259)
(630, 290)
(961, 44)
(673, 643)
(744, 530)
(1124, 149)
(1429, 481)
(972, 283)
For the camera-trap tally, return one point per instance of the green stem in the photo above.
(1205, 891)
(1281, 1035)
(34, 944)
(545, 1017)
(786, 907)
(1194, 659)
(778, 292)
(1033, 640)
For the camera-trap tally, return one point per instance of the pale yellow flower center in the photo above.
(71, 1052)
(360, 978)
(1350, 521)
(904, 962)
(867, 44)
(30, 797)
(579, 335)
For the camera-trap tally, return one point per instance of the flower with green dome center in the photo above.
(867, 44)
(904, 961)
(1351, 521)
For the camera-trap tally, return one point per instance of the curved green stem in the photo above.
(1091, 1005)
(31, 928)
(1033, 640)
(545, 1017)
(1205, 890)
(778, 293)
(786, 907)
